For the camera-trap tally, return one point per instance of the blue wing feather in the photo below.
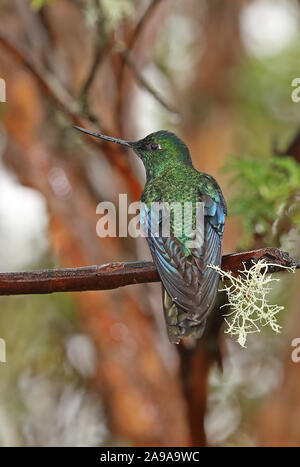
(188, 282)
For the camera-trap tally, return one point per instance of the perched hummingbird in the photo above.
(189, 287)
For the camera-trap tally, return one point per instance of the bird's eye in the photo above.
(154, 146)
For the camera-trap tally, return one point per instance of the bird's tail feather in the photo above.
(179, 324)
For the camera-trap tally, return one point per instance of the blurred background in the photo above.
(95, 368)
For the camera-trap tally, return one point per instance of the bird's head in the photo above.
(156, 150)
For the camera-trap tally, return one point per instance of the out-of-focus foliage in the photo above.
(262, 94)
(264, 186)
(37, 4)
(116, 10)
(110, 13)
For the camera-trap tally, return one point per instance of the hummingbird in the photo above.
(189, 285)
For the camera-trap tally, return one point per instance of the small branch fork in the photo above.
(114, 275)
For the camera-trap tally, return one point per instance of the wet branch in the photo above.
(115, 275)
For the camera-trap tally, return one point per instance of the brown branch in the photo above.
(61, 99)
(114, 275)
(142, 22)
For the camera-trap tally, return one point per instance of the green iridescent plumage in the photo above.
(189, 287)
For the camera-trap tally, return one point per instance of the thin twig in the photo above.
(115, 275)
(92, 73)
(137, 33)
(144, 84)
(102, 46)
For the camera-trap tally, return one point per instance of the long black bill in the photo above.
(107, 138)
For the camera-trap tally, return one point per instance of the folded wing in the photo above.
(189, 283)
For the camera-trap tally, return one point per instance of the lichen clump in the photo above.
(250, 308)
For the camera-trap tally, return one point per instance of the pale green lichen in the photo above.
(38, 4)
(247, 298)
(116, 10)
